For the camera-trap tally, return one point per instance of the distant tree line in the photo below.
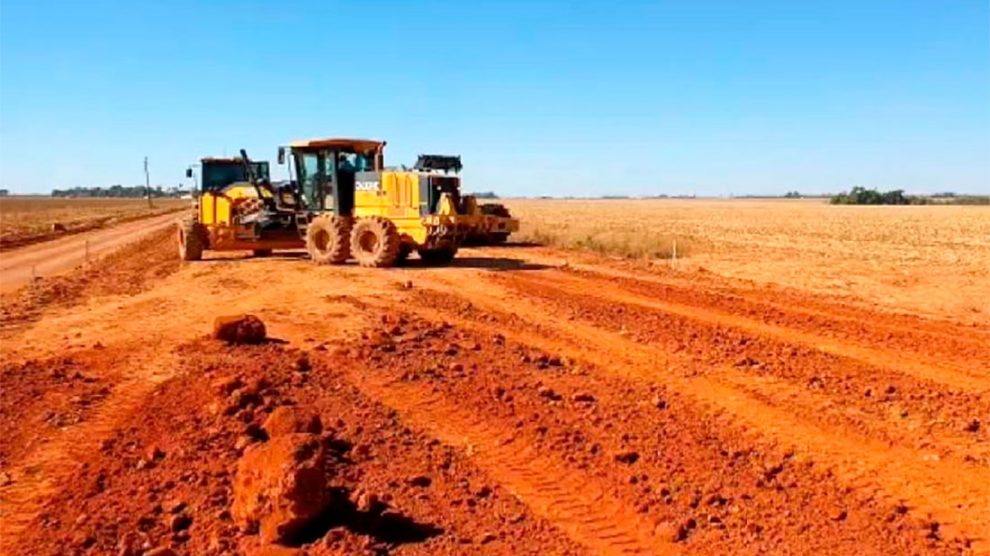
(863, 196)
(485, 195)
(119, 191)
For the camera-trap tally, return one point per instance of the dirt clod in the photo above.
(281, 486)
(548, 393)
(239, 329)
(420, 481)
(286, 419)
(628, 457)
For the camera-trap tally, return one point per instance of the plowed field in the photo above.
(524, 400)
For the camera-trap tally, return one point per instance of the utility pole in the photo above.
(147, 182)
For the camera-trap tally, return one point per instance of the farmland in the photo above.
(801, 379)
(933, 260)
(25, 220)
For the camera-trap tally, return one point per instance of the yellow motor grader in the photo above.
(342, 204)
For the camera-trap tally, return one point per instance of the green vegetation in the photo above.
(863, 196)
(119, 191)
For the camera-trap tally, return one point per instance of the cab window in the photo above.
(309, 170)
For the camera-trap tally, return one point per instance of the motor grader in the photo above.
(342, 204)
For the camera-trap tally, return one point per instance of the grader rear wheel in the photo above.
(375, 242)
(190, 237)
(328, 240)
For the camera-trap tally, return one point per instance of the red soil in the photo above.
(498, 406)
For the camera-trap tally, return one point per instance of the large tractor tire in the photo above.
(328, 240)
(190, 237)
(439, 255)
(375, 242)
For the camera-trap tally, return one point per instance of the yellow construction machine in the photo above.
(492, 223)
(352, 206)
(343, 203)
(238, 208)
(488, 223)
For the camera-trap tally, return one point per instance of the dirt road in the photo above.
(554, 405)
(19, 266)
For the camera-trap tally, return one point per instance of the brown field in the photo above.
(25, 220)
(803, 379)
(929, 259)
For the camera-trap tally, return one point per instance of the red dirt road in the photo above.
(18, 266)
(508, 404)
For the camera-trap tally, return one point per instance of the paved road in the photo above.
(17, 266)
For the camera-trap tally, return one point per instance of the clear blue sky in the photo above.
(547, 98)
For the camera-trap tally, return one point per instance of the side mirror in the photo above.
(188, 172)
(281, 155)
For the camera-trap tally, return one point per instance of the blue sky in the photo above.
(540, 98)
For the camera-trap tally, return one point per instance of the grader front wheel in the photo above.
(375, 242)
(328, 240)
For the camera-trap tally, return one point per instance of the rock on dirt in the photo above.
(419, 481)
(628, 457)
(239, 329)
(583, 397)
(281, 486)
(548, 393)
(287, 419)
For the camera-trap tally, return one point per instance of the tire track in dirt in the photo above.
(910, 432)
(571, 501)
(883, 393)
(41, 471)
(680, 457)
(944, 372)
(958, 496)
(820, 314)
